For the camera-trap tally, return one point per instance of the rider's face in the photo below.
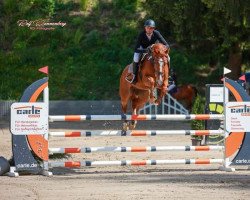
(149, 30)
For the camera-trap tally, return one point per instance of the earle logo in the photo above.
(28, 118)
(32, 111)
(243, 109)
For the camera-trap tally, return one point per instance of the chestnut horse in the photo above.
(186, 94)
(153, 74)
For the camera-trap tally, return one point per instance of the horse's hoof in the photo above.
(131, 127)
(152, 100)
(125, 127)
(157, 102)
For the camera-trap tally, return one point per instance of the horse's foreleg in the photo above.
(162, 93)
(163, 89)
(151, 96)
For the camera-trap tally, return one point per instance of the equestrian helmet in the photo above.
(149, 23)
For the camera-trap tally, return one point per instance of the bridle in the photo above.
(158, 61)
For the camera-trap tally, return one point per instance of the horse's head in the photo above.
(159, 50)
(160, 56)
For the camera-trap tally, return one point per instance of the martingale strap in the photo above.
(159, 73)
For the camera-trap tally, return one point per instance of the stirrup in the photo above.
(132, 80)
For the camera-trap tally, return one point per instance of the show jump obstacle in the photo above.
(29, 127)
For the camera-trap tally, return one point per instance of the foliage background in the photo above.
(87, 56)
(198, 108)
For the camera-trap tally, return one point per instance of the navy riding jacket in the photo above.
(144, 42)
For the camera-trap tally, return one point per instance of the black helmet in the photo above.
(150, 23)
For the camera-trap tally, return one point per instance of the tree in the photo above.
(11, 12)
(216, 27)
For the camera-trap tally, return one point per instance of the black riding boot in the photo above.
(135, 72)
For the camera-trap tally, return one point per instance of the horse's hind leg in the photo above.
(125, 125)
(125, 95)
(137, 104)
(124, 107)
(133, 123)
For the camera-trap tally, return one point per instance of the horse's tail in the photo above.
(195, 91)
(124, 90)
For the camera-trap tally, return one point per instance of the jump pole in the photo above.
(170, 117)
(56, 150)
(134, 133)
(74, 164)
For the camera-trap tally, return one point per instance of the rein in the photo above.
(157, 61)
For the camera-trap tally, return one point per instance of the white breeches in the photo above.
(136, 57)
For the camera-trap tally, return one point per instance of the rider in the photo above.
(146, 38)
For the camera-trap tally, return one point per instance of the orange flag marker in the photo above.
(44, 70)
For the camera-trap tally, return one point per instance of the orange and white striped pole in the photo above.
(73, 164)
(90, 133)
(55, 118)
(134, 149)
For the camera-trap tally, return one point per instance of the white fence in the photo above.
(169, 105)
